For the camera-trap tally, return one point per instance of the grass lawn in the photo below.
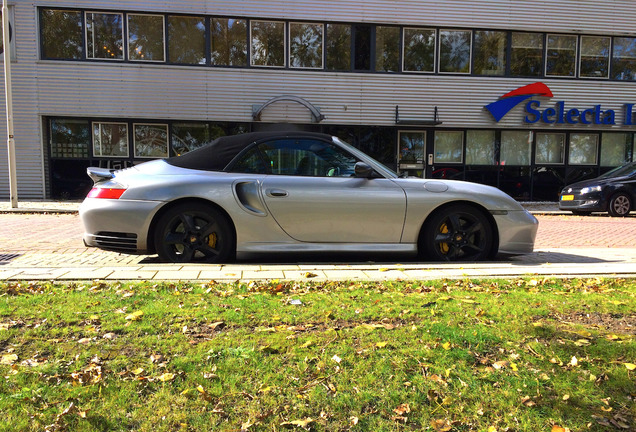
(505, 355)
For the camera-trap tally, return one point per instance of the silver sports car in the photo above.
(295, 192)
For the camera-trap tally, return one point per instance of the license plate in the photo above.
(567, 197)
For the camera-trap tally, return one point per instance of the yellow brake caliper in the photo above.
(444, 247)
(212, 240)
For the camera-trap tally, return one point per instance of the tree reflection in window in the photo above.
(561, 55)
(268, 43)
(305, 45)
(387, 49)
(419, 50)
(146, 37)
(151, 140)
(228, 38)
(595, 53)
(338, 47)
(104, 35)
(526, 58)
(624, 59)
(110, 139)
(186, 43)
(61, 34)
(454, 51)
(490, 53)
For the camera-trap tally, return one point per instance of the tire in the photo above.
(457, 233)
(194, 232)
(620, 205)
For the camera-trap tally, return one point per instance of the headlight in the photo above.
(587, 190)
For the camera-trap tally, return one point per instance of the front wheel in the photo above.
(194, 232)
(620, 205)
(457, 233)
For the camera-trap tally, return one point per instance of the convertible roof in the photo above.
(216, 155)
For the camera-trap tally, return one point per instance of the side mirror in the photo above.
(363, 170)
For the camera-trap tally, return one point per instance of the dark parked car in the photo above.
(613, 192)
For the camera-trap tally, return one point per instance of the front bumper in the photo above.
(588, 202)
(517, 232)
(119, 225)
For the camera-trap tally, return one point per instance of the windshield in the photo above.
(621, 171)
(378, 166)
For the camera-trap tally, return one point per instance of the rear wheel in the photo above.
(457, 233)
(620, 205)
(194, 232)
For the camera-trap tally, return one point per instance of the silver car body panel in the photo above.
(273, 213)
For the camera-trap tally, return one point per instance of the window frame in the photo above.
(100, 122)
(250, 45)
(123, 39)
(134, 139)
(563, 136)
(435, 47)
(439, 51)
(164, 40)
(322, 44)
(547, 50)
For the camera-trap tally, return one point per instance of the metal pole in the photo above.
(13, 183)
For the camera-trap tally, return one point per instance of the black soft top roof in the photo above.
(216, 155)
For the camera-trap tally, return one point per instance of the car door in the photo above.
(314, 196)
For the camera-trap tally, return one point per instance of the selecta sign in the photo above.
(557, 113)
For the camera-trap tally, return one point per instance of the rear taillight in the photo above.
(105, 193)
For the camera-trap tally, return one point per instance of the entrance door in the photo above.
(411, 153)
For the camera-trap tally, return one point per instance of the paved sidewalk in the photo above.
(42, 241)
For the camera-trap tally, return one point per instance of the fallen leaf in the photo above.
(166, 377)
(135, 316)
(630, 366)
(402, 409)
(9, 359)
(299, 423)
(441, 425)
(556, 428)
(381, 344)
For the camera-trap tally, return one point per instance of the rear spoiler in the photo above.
(99, 175)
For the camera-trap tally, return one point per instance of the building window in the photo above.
(454, 51)
(419, 50)
(151, 140)
(624, 59)
(480, 147)
(594, 62)
(526, 54)
(516, 148)
(186, 137)
(616, 148)
(550, 149)
(61, 32)
(561, 55)
(362, 47)
(228, 38)
(186, 42)
(449, 146)
(104, 35)
(69, 138)
(490, 53)
(305, 45)
(583, 149)
(338, 47)
(412, 146)
(268, 43)
(387, 49)
(110, 139)
(146, 37)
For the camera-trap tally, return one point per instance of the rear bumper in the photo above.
(117, 225)
(517, 232)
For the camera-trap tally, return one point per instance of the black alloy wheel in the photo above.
(457, 233)
(620, 205)
(194, 232)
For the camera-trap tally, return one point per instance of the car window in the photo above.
(307, 157)
(250, 163)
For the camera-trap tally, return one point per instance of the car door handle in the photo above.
(276, 193)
